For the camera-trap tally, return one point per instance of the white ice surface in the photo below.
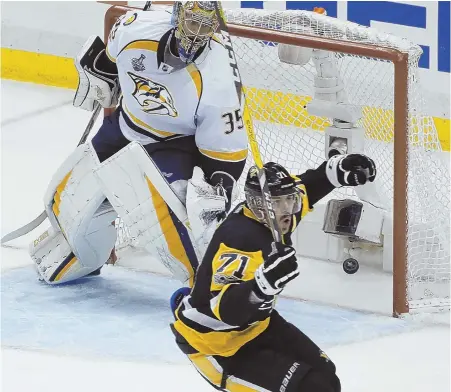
(110, 333)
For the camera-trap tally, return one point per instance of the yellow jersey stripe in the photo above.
(196, 77)
(142, 45)
(109, 55)
(225, 156)
(169, 230)
(225, 343)
(217, 302)
(145, 126)
(305, 202)
(247, 212)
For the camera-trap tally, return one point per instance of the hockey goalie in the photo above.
(170, 153)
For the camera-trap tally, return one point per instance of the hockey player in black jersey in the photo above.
(228, 326)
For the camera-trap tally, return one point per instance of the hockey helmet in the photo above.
(285, 195)
(195, 23)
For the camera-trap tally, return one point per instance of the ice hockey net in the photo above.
(380, 72)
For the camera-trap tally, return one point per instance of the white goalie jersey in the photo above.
(160, 102)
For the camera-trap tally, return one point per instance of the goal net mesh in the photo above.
(277, 94)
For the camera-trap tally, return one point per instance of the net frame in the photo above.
(400, 61)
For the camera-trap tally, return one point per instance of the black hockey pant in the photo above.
(281, 359)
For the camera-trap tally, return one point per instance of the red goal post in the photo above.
(400, 61)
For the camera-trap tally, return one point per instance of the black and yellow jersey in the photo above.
(226, 309)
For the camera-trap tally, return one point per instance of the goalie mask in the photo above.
(285, 195)
(195, 23)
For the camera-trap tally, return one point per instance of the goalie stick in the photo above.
(21, 231)
(273, 225)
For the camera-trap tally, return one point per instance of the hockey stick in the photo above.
(21, 231)
(273, 225)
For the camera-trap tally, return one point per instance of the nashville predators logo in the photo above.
(153, 97)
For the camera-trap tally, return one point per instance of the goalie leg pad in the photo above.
(150, 208)
(56, 262)
(73, 203)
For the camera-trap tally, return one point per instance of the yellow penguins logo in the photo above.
(130, 20)
(153, 97)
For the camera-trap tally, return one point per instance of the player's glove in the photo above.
(350, 170)
(278, 269)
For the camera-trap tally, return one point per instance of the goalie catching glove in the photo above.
(279, 268)
(350, 170)
(98, 80)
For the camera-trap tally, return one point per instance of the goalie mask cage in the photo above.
(380, 75)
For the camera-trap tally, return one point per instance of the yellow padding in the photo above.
(282, 108)
(65, 269)
(57, 196)
(55, 209)
(289, 109)
(444, 132)
(39, 68)
(264, 105)
(170, 231)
